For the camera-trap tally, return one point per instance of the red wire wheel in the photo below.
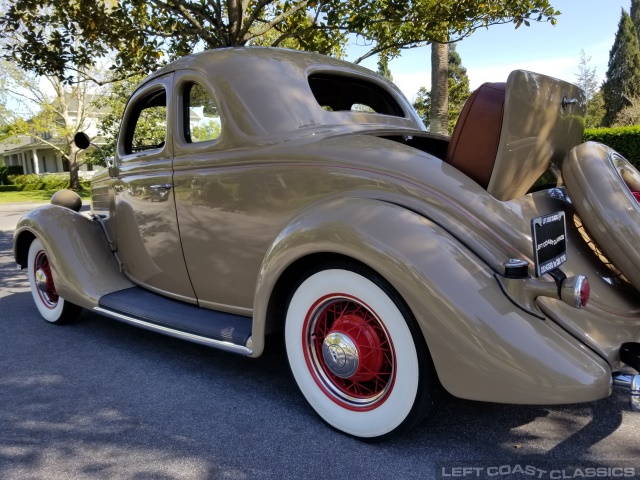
(356, 352)
(51, 306)
(349, 352)
(44, 280)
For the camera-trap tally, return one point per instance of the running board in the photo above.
(151, 311)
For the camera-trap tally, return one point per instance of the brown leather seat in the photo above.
(474, 143)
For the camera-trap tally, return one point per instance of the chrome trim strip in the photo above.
(209, 342)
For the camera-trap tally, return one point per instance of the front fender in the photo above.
(82, 264)
(483, 347)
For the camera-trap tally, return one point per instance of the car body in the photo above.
(259, 190)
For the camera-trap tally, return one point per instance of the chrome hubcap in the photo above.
(349, 352)
(340, 354)
(41, 280)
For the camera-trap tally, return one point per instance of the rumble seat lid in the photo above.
(541, 125)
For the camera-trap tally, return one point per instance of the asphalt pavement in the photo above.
(103, 400)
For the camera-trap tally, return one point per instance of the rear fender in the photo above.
(83, 266)
(483, 347)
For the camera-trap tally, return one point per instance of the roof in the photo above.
(266, 90)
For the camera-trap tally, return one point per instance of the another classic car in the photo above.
(302, 194)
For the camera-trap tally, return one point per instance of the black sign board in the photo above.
(549, 242)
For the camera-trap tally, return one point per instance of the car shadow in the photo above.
(11, 280)
(105, 399)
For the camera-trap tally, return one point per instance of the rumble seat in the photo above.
(474, 144)
(509, 134)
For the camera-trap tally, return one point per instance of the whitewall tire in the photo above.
(356, 353)
(52, 307)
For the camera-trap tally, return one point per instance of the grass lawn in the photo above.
(36, 196)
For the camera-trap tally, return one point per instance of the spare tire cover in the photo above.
(605, 191)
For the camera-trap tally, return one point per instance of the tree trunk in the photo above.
(74, 180)
(439, 116)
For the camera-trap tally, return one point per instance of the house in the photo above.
(36, 155)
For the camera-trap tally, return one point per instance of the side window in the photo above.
(202, 122)
(147, 127)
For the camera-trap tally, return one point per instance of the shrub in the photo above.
(25, 179)
(14, 170)
(6, 172)
(44, 182)
(10, 188)
(55, 181)
(624, 140)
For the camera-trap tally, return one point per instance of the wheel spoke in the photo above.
(373, 373)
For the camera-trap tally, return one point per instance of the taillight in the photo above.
(585, 291)
(575, 291)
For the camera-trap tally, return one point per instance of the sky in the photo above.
(491, 54)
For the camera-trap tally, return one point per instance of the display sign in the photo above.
(549, 242)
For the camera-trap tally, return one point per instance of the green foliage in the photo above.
(623, 74)
(624, 140)
(9, 194)
(629, 115)
(635, 16)
(458, 92)
(7, 171)
(151, 127)
(49, 36)
(383, 67)
(205, 131)
(46, 110)
(31, 178)
(586, 77)
(114, 103)
(45, 182)
(595, 111)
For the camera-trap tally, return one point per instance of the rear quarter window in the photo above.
(339, 93)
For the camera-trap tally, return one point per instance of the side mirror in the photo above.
(81, 140)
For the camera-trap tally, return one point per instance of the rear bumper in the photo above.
(631, 384)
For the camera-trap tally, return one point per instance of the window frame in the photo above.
(182, 144)
(186, 118)
(125, 136)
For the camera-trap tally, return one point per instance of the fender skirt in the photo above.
(601, 185)
(83, 266)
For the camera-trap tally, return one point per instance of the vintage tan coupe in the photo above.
(261, 190)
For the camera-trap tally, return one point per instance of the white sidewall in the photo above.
(49, 314)
(392, 412)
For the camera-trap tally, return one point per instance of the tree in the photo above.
(438, 112)
(458, 92)
(383, 67)
(635, 15)
(586, 78)
(595, 111)
(57, 37)
(113, 103)
(623, 74)
(47, 111)
(629, 115)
